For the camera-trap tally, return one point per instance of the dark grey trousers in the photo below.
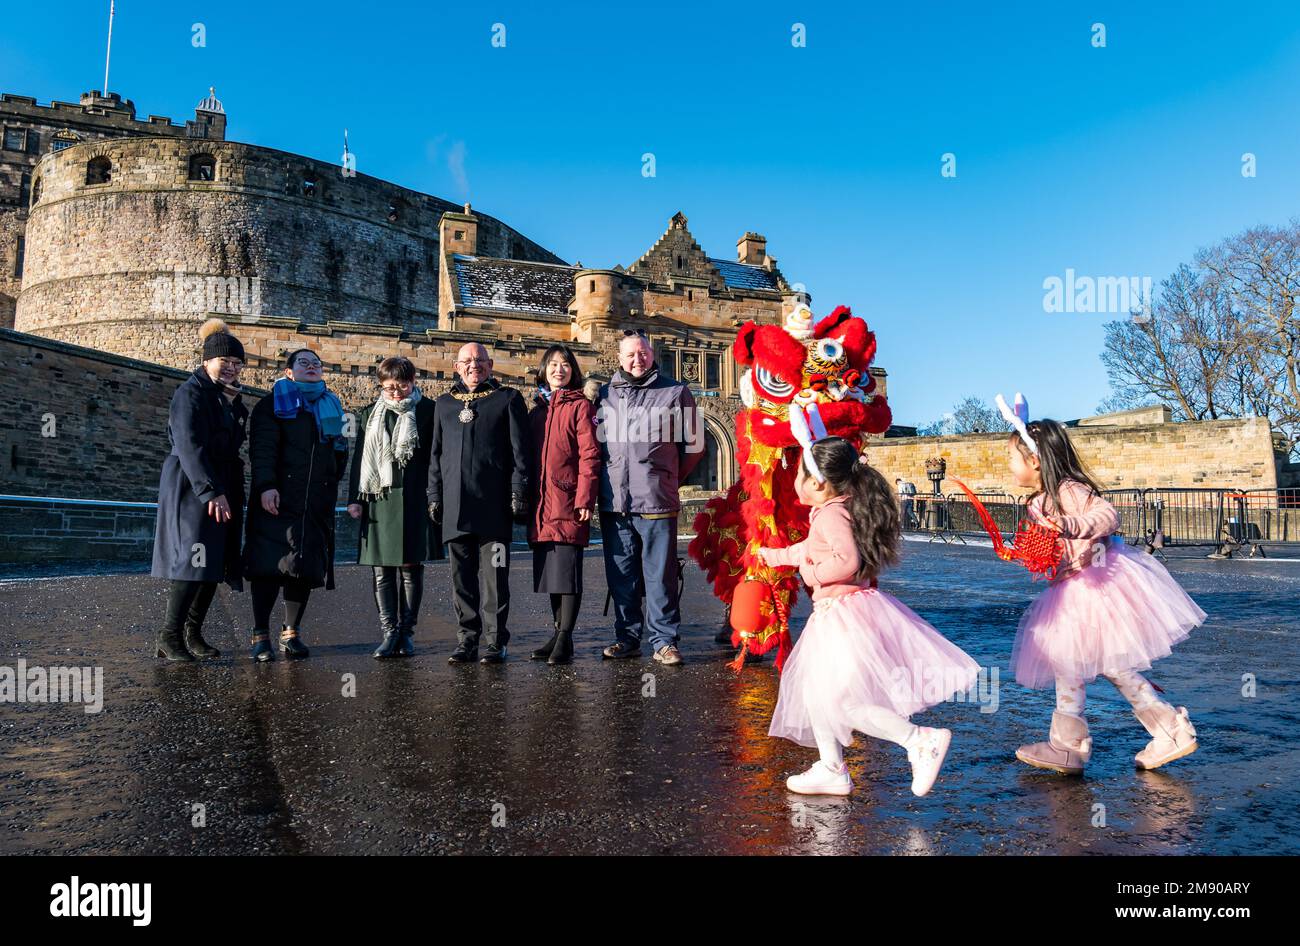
(480, 587)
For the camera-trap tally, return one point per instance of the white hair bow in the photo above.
(808, 428)
(1018, 418)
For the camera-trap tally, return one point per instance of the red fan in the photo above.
(1037, 547)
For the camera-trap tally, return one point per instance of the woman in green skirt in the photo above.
(386, 491)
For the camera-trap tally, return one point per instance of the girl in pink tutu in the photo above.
(864, 661)
(1109, 611)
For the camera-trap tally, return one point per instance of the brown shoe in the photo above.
(1067, 749)
(668, 655)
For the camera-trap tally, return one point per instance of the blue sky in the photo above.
(1115, 161)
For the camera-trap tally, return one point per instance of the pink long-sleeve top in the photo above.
(1084, 518)
(828, 559)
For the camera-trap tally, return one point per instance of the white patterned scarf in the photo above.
(381, 450)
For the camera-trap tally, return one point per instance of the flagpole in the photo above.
(108, 52)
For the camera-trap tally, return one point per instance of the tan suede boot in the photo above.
(1172, 732)
(1067, 749)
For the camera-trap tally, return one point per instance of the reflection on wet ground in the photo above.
(614, 757)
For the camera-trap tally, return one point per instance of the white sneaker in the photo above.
(926, 753)
(821, 779)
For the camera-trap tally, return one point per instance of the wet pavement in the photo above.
(615, 757)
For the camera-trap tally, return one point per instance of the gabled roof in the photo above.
(487, 283)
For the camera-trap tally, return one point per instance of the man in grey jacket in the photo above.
(651, 440)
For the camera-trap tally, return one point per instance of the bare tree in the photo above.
(1260, 270)
(970, 416)
(1221, 338)
(1178, 351)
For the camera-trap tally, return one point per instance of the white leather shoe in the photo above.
(821, 779)
(926, 753)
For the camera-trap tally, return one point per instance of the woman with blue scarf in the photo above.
(298, 454)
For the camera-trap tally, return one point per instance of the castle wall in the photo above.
(1225, 454)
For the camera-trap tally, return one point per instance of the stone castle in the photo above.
(122, 235)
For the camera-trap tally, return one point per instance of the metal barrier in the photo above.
(1263, 515)
(1185, 516)
(1156, 516)
(1006, 510)
(1131, 504)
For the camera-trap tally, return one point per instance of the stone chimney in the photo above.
(752, 249)
(458, 232)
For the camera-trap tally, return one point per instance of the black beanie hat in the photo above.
(218, 342)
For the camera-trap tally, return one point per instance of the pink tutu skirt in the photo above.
(859, 650)
(1119, 614)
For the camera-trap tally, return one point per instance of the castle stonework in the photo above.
(123, 236)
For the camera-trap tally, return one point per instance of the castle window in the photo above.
(713, 371)
(458, 234)
(690, 295)
(203, 167)
(592, 286)
(679, 262)
(516, 250)
(36, 192)
(396, 207)
(15, 139)
(99, 171)
(18, 258)
(64, 139)
(308, 186)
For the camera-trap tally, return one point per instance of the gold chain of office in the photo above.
(467, 414)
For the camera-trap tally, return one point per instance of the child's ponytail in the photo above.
(877, 524)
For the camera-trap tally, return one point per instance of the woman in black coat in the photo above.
(201, 494)
(298, 454)
(386, 491)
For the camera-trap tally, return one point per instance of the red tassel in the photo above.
(738, 664)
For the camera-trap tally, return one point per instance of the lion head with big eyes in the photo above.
(804, 363)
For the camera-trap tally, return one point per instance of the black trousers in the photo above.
(480, 587)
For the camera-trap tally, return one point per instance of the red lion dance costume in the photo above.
(795, 364)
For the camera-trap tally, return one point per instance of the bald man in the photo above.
(477, 485)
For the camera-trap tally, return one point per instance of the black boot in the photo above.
(261, 647)
(412, 592)
(169, 645)
(196, 645)
(544, 652)
(566, 616)
(563, 651)
(386, 598)
(291, 644)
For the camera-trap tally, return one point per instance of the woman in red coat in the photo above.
(563, 481)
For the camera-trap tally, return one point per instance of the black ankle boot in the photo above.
(406, 644)
(197, 646)
(389, 646)
(261, 647)
(563, 650)
(169, 645)
(543, 652)
(291, 645)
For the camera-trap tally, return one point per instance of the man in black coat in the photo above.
(477, 483)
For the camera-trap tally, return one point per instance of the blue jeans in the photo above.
(642, 550)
